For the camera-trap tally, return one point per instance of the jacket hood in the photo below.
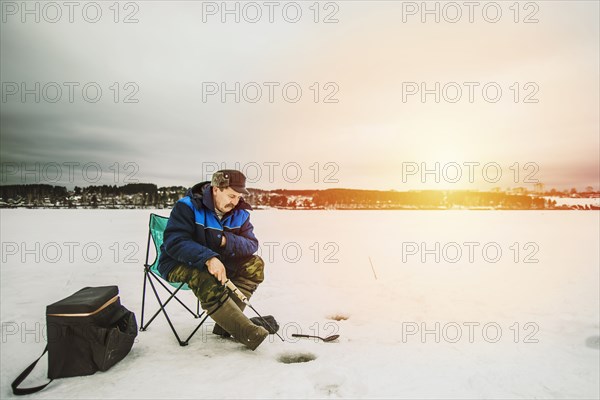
(201, 194)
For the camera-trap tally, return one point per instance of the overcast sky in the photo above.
(359, 122)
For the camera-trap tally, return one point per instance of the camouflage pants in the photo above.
(210, 291)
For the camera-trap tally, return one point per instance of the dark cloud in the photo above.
(51, 137)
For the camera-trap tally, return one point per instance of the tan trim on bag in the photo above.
(108, 303)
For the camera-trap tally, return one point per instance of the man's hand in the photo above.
(223, 240)
(217, 269)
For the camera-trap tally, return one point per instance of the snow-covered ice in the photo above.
(496, 327)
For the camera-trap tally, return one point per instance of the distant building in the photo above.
(538, 188)
(518, 190)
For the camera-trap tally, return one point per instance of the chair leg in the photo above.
(148, 278)
(142, 328)
(172, 296)
(198, 327)
(162, 308)
(179, 301)
(161, 304)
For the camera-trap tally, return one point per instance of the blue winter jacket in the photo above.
(193, 233)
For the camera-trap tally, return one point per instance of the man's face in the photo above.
(225, 200)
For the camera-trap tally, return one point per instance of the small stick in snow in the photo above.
(373, 268)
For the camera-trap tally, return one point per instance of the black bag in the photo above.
(88, 331)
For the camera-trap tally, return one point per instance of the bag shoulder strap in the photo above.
(17, 391)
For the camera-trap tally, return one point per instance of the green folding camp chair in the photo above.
(151, 275)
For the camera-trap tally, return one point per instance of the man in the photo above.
(209, 239)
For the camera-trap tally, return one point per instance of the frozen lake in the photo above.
(443, 304)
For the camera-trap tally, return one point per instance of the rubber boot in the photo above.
(217, 330)
(232, 319)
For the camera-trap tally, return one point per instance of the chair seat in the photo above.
(154, 270)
